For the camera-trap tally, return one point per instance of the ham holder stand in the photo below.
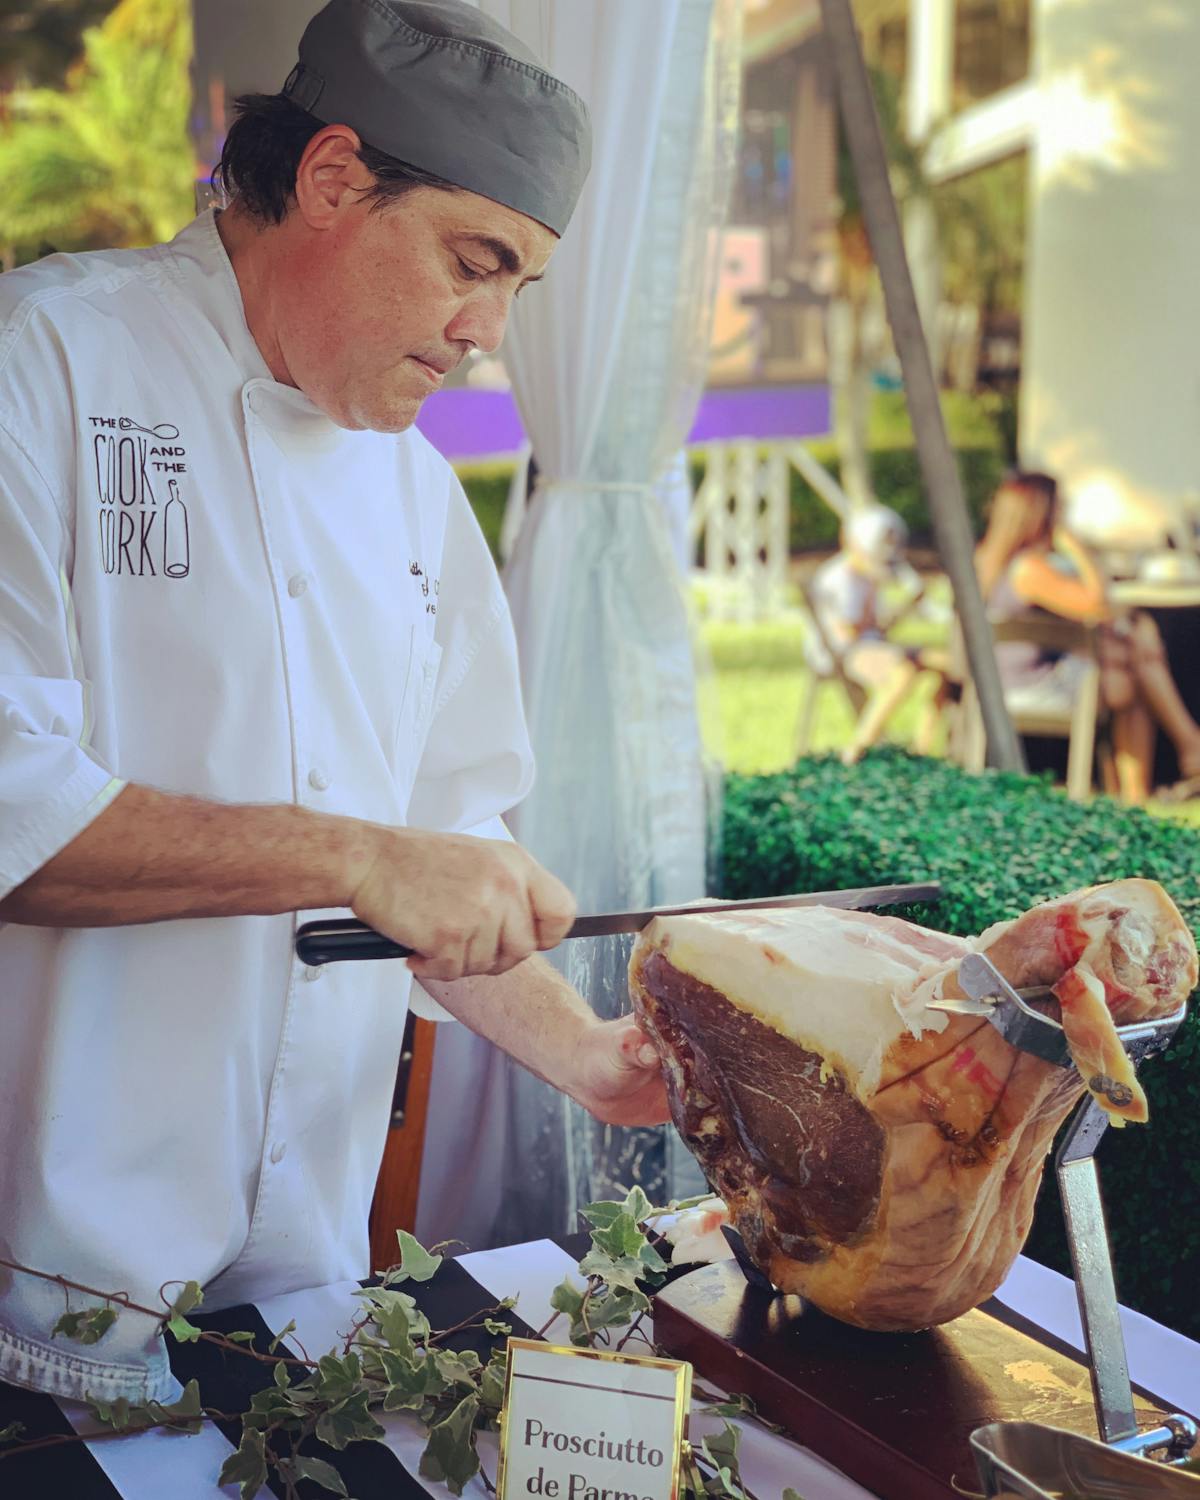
(897, 1412)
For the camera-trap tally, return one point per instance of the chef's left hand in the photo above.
(618, 1075)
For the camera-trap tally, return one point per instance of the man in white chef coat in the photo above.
(254, 660)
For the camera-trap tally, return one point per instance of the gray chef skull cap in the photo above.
(443, 87)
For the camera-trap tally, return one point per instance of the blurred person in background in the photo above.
(1029, 560)
(847, 595)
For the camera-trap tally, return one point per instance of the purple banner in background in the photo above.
(465, 423)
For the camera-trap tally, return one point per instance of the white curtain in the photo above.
(607, 360)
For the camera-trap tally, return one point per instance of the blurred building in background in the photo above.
(1042, 152)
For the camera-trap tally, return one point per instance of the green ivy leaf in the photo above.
(336, 1379)
(450, 1455)
(621, 1238)
(722, 1452)
(248, 1465)
(456, 1369)
(600, 1215)
(88, 1326)
(496, 1328)
(179, 1328)
(637, 1206)
(415, 1261)
(123, 1417)
(397, 1317)
(315, 1469)
(190, 1297)
(184, 1415)
(281, 1335)
(792, 1495)
(271, 1405)
(626, 1272)
(11, 1432)
(114, 1414)
(609, 1310)
(349, 1422)
(491, 1384)
(652, 1262)
(567, 1298)
(241, 1337)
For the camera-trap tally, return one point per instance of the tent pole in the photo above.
(951, 524)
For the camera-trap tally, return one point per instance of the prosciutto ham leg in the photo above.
(877, 1155)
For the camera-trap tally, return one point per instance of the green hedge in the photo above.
(999, 844)
(487, 490)
(814, 527)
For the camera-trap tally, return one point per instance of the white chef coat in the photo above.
(209, 588)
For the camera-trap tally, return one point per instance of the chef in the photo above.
(254, 660)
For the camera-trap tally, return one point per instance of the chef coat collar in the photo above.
(201, 260)
(200, 257)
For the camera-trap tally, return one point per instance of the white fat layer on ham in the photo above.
(825, 978)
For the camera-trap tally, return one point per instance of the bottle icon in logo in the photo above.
(108, 539)
(176, 554)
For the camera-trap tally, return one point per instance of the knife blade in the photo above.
(344, 938)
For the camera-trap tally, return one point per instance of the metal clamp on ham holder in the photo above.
(1011, 1013)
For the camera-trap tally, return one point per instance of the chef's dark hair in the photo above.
(262, 153)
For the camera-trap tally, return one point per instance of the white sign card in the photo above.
(583, 1424)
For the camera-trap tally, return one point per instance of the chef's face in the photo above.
(376, 302)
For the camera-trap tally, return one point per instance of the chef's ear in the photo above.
(330, 177)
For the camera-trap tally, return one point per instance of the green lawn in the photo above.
(761, 679)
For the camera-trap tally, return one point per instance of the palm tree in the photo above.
(106, 161)
(39, 39)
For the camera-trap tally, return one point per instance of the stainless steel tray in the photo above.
(1026, 1461)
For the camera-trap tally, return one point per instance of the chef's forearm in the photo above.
(151, 857)
(531, 1013)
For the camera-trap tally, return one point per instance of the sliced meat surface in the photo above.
(880, 1157)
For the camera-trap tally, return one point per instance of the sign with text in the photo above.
(582, 1424)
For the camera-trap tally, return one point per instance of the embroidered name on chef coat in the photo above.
(141, 478)
(430, 587)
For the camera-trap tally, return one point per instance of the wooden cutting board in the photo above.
(893, 1411)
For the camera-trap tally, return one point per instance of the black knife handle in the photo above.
(343, 938)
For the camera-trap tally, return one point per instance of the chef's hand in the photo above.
(465, 905)
(618, 1076)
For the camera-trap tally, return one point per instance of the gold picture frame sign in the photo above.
(590, 1430)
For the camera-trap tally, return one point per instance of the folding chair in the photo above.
(1076, 723)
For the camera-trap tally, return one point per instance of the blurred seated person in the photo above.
(847, 597)
(1028, 560)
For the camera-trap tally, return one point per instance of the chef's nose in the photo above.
(482, 319)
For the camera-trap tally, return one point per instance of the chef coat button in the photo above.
(297, 584)
(313, 972)
(278, 1152)
(318, 780)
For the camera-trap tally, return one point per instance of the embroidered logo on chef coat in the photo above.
(143, 514)
(430, 587)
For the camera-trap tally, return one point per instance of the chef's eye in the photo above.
(469, 273)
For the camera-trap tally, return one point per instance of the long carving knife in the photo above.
(342, 938)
